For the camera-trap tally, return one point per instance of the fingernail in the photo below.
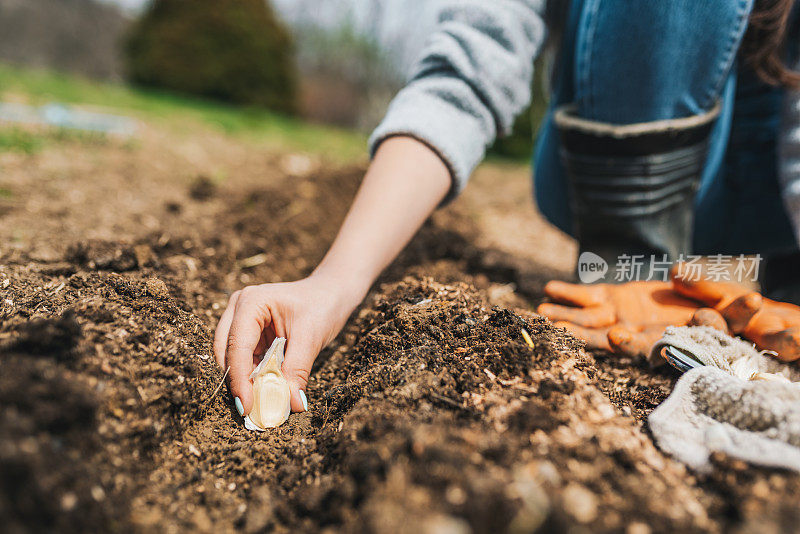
(304, 400)
(239, 407)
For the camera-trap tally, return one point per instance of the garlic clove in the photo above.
(271, 395)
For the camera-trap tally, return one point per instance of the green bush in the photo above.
(236, 51)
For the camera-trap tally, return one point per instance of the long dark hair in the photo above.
(764, 44)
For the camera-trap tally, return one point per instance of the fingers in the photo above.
(692, 284)
(250, 319)
(595, 339)
(741, 311)
(768, 331)
(786, 343)
(767, 328)
(300, 356)
(736, 303)
(625, 341)
(575, 294)
(789, 313)
(709, 317)
(222, 330)
(701, 290)
(594, 317)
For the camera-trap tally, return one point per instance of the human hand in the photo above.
(308, 313)
(626, 318)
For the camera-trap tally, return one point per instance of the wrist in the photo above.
(348, 291)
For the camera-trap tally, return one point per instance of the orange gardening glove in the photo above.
(626, 318)
(771, 325)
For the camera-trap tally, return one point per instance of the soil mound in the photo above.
(429, 413)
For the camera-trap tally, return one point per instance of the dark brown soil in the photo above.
(429, 413)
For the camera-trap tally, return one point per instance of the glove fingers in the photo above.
(575, 294)
(690, 283)
(625, 341)
(709, 317)
(594, 338)
(741, 310)
(789, 313)
(684, 282)
(785, 343)
(594, 317)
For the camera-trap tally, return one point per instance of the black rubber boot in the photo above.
(780, 277)
(633, 186)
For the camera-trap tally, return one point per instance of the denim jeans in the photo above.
(632, 61)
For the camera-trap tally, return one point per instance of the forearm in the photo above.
(472, 79)
(403, 185)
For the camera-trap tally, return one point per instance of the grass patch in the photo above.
(31, 141)
(17, 140)
(183, 113)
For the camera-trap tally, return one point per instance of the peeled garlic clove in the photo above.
(271, 397)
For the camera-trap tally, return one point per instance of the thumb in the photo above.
(248, 323)
(300, 356)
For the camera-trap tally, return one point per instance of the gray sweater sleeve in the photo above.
(472, 79)
(789, 157)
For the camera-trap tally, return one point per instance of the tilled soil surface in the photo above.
(429, 413)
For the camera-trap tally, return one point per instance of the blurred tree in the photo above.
(347, 78)
(78, 36)
(231, 50)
